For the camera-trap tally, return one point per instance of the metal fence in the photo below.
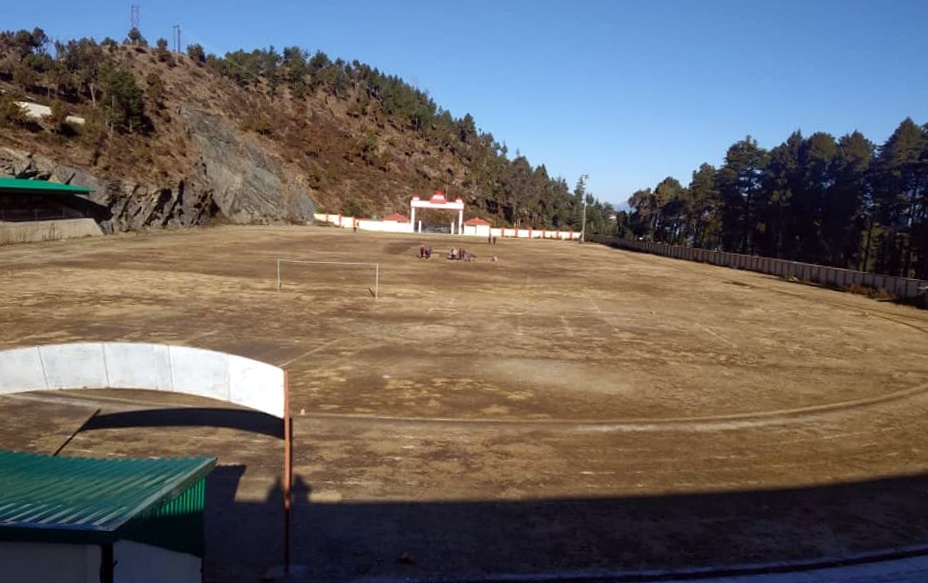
(902, 288)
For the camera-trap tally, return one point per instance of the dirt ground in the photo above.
(565, 409)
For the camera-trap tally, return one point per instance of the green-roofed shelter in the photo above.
(24, 186)
(37, 210)
(88, 519)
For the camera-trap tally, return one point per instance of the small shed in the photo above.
(477, 226)
(82, 520)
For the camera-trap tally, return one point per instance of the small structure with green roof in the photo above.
(36, 210)
(37, 200)
(70, 519)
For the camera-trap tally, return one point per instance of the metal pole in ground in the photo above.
(288, 470)
(583, 180)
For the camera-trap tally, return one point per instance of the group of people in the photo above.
(457, 254)
(461, 254)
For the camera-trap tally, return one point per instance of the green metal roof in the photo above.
(88, 500)
(22, 186)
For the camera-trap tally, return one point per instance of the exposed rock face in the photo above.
(234, 180)
(248, 185)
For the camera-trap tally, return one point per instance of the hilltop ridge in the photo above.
(185, 139)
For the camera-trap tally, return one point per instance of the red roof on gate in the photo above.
(397, 217)
(476, 221)
(438, 198)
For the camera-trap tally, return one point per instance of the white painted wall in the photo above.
(159, 367)
(138, 563)
(477, 230)
(384, 226)
(49, 563)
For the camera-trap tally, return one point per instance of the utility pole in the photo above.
(583, 179)
(176, 28)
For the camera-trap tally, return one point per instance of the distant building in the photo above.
(477, 226)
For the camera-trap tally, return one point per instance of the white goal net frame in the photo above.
(376, 266)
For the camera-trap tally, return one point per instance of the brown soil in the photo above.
(565, 409)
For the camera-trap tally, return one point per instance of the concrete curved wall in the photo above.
(160, 367)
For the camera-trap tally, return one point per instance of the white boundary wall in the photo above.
(394, 227)
(384, 226)
(160, 367)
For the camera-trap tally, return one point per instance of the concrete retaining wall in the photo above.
(158, 367)
(898, 287)
(35, 231)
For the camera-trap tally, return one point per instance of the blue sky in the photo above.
(627, 92)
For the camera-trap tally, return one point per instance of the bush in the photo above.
(11, 113)
(870, 292)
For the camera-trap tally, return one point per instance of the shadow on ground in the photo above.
(528, 540)
(241, 419)
(581, 539)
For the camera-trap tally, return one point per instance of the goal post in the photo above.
(375, 266)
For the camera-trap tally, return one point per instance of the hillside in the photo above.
(185, 139)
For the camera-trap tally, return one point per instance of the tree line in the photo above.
(83, 71)
(71, 72)
(842, 202)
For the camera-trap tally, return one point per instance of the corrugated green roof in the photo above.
(87, 500)
(22, 186)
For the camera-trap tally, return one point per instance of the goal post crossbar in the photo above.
(376, 267)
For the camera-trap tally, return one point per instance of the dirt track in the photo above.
(566, 408)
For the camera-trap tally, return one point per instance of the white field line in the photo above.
(190, 339)
(719, 336)
(570, 332)
(603, 315)
(308, 352)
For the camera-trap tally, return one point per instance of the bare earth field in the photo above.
(568, 409)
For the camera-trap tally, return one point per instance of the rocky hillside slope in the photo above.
(179, 140)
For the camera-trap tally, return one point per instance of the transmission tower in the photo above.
(177, 43)
(134, 17)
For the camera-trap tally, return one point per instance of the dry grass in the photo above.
(558, 372)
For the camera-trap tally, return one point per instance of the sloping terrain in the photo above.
(182, 140)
